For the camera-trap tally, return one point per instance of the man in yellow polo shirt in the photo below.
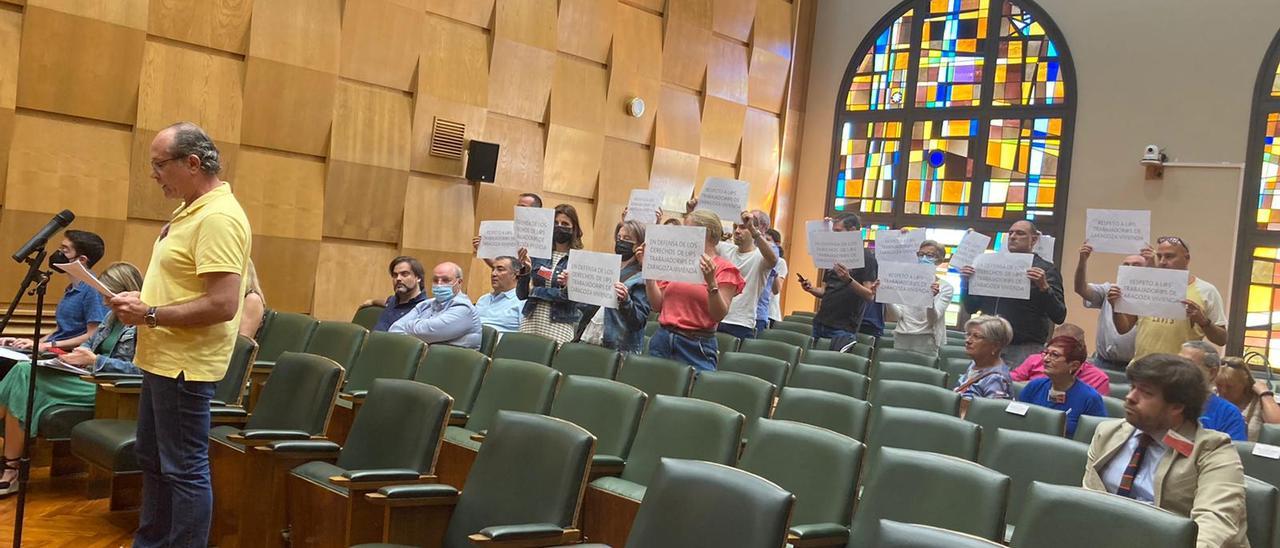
(190, 304)
(1206, 316)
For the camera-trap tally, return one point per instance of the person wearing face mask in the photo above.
(448, 317)
(924, 329)
(81, 309)
(548, 312)
(622, 328)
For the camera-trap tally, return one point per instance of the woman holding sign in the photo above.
(622, 328)
(109, 350)
(689, 313)
(548, 312)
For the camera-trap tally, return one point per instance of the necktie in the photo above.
(1131, 471)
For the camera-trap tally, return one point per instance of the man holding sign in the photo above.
(1032, 318)
(844, 293)
(1206, 316)
(1113, 350)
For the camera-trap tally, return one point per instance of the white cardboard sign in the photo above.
(1001, 275)
(830, 248)
(644, 205)
(971, 246)
(1121, 231)
(1155, 292)
(497, 239)
(591, 277)
(535, 230)
(895, 246)
(726, 197)
(674, 253)
(907, 284)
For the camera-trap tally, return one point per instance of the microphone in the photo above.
(58, 222)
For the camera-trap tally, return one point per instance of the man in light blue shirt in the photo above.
(501, 309)
(448, 317)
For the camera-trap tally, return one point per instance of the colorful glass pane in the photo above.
(1268, 217)
(952, 50)
(1023, 158)
(864, 176)
(940, 171)
(1262, 311)
(1028, 70)
(881, 80)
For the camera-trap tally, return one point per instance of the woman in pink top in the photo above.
(1033, 367)
(689, 313)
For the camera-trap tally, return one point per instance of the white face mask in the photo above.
(925, 259)
(442, 292)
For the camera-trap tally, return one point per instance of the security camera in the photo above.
(1153, 156)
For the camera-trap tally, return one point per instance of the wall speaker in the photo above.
(482, 161)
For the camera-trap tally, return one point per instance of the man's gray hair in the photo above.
(763, 219)
(189, 139)
(1211, 357)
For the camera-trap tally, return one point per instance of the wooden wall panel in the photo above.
(126, 13)
(727, 71)
(773, 27)
(426, 110)
(79, 66)
(722, 123)
(167, 91)
(673, 169)
(685, 53)
(625, 167)
(146, 199)
(520, 78)
(679, 121)
(371, 126)
(455, 62)
(520, 158)
(708, 167)
(439, 214)
(367, 202)
(733, 18)
(282, 194)
(572, 161)
(347, 274)
(760, 139)
(304, 33)
(585, 28)
(138, 242)
(287, 270)
(287, 107)
(651, 5)
(381, 41)
(474, 12)
(578, 95)
(767, 80)
(224, 24)
(495, 203)
(10, 41)
(7, 116)
(86, 166)
(475, 274)
(763, 186)
(530, 22)
(620, 124)
(637, 43)
(697, 13)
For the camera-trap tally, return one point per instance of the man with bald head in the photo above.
(1112, 349)
(448, 317)
(1033, 318)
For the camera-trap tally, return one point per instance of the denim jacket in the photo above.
(121, 358)
(624, 326)
(533, 289)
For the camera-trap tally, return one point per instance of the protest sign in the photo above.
(497, 239)
(591, 277)
(1155, 292)
(674, 253)
(535, 230)
(1001, 275)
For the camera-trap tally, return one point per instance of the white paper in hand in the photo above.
(497, 239)
(591, 277)
(535, 230)
(644, 206)
(971, 245)
(895, 246)
(726, 197)
(906, 284)
(1154, 292)
(673, 191)
(674, 253)
(810, 227)
(1121, 231)
(77, 272)
(1001, 275)
(1044, 247)
(845, 248)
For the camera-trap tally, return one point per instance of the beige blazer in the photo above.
(1204, 481)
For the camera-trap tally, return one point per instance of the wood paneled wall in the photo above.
(323, 110)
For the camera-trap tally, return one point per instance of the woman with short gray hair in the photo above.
(987, 376)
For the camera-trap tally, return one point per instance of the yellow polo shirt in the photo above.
(209, 235)
(1162, 335)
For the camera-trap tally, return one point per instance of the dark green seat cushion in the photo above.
(107, 443)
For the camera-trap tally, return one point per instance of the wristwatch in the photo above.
(150, 317)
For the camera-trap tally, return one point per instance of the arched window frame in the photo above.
(984, 113)
(1250, 236)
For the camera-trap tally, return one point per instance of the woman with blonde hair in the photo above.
(255, 305)
(110, 350)
(689, 313)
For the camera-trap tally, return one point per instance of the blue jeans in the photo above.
(737, 331)
(700, 353)
(839, 337)
(761, 325)
(173, 452)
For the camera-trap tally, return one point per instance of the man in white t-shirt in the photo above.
(1112, 350)
(754, 258)
(1206, 315)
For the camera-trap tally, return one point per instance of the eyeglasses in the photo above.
(1052, 354)
(157, 166)
(1173, 240)
(968, 336)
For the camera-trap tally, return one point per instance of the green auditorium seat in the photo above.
(745, 394)
(1050, 511)
(525, 346)
(916, 396)
(654, 375)
(771, 369)
(994, 414)
(838, 413)
(587, 360)
(610, 410)
(458, 371)
(821, 377)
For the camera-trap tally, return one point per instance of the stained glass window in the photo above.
(1256, 298)
(957, 114)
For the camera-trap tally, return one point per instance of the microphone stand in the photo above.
(40, 279)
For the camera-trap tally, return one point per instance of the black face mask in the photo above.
(58, 258)
(563, 234)
(624, 248)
